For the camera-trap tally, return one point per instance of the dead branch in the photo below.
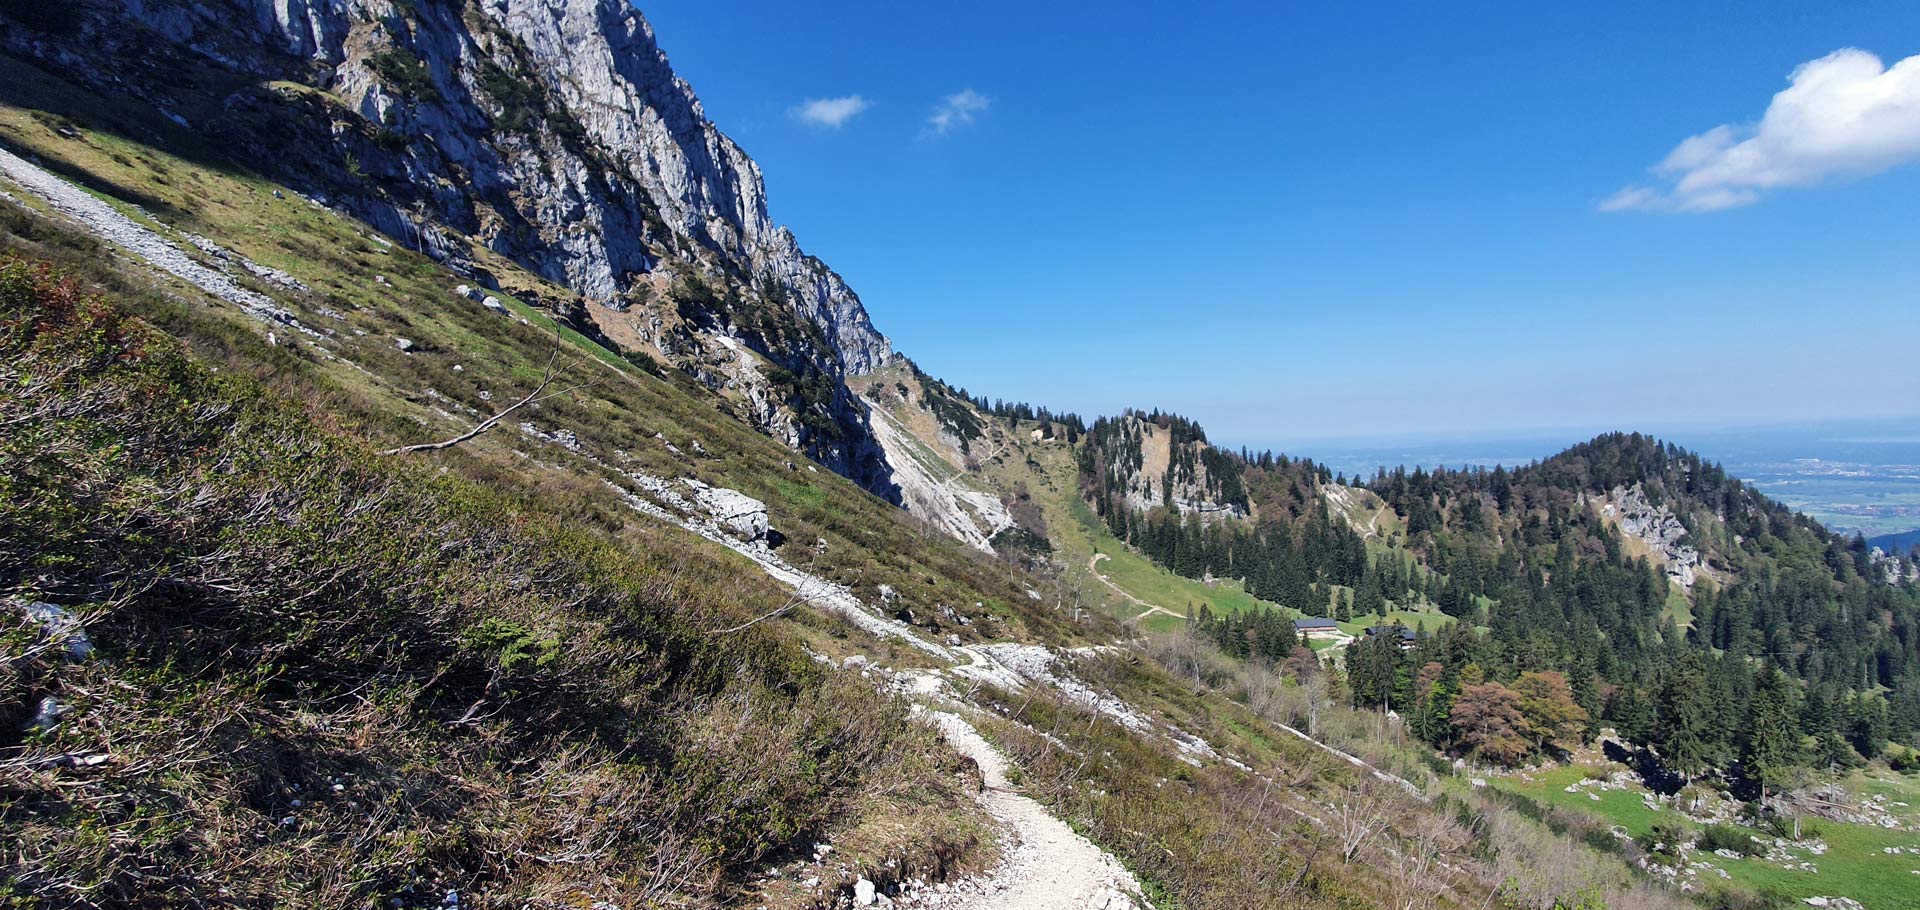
(799, 599)
(539, 394)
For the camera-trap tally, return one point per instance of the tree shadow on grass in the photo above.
(1653, 772)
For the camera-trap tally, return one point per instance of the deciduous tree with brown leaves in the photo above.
(1490, 722)
(1556, 721)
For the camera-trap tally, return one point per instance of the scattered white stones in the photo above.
(48, 714)
(662, 501)
(274, 276)
(562, 437)
(1834, 903)
(1036, 663)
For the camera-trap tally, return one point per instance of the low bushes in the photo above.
(1727, 837)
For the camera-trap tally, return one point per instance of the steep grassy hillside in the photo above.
(363, 294)
(327, 677)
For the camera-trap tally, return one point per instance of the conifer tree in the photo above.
(1685, 729)
(1772, 748)
(1633, 716)
(1867, 725)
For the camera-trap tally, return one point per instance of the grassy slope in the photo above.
(319, 660)
(397, 398)
(358, 382)
(1078, 536)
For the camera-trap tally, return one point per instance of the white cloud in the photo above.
(954, 111)
(830, 113)
(1843, 115)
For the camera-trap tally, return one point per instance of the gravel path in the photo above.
(1047, 865)
(106, 222)
(1093, 567)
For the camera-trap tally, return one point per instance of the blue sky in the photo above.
(1298, 221)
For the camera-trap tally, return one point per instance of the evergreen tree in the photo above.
(1867, 725)
(1374, 668)
(1685, 732)
(1771, 751)
(1432, 715)
(1633, 716)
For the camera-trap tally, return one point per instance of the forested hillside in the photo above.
(1632, 583)
(1575, 590)
(1189, 508)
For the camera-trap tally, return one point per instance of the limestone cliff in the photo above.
(1146, 461)
(1658, 528)
(936, 444)
(553, 133)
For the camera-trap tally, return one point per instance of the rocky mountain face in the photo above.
(936, 463)
(1148, 461)
(552, 133)
(1658, 528)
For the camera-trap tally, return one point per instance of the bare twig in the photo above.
(536, 396)
(799, 599)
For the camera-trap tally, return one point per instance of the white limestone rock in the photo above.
(1659, 529)
(736, 511)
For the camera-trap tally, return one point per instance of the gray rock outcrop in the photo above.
(1895, 569)
(1154, 483)
(739, 513)
(58, 627)
(945, 499)
(1659, 529)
